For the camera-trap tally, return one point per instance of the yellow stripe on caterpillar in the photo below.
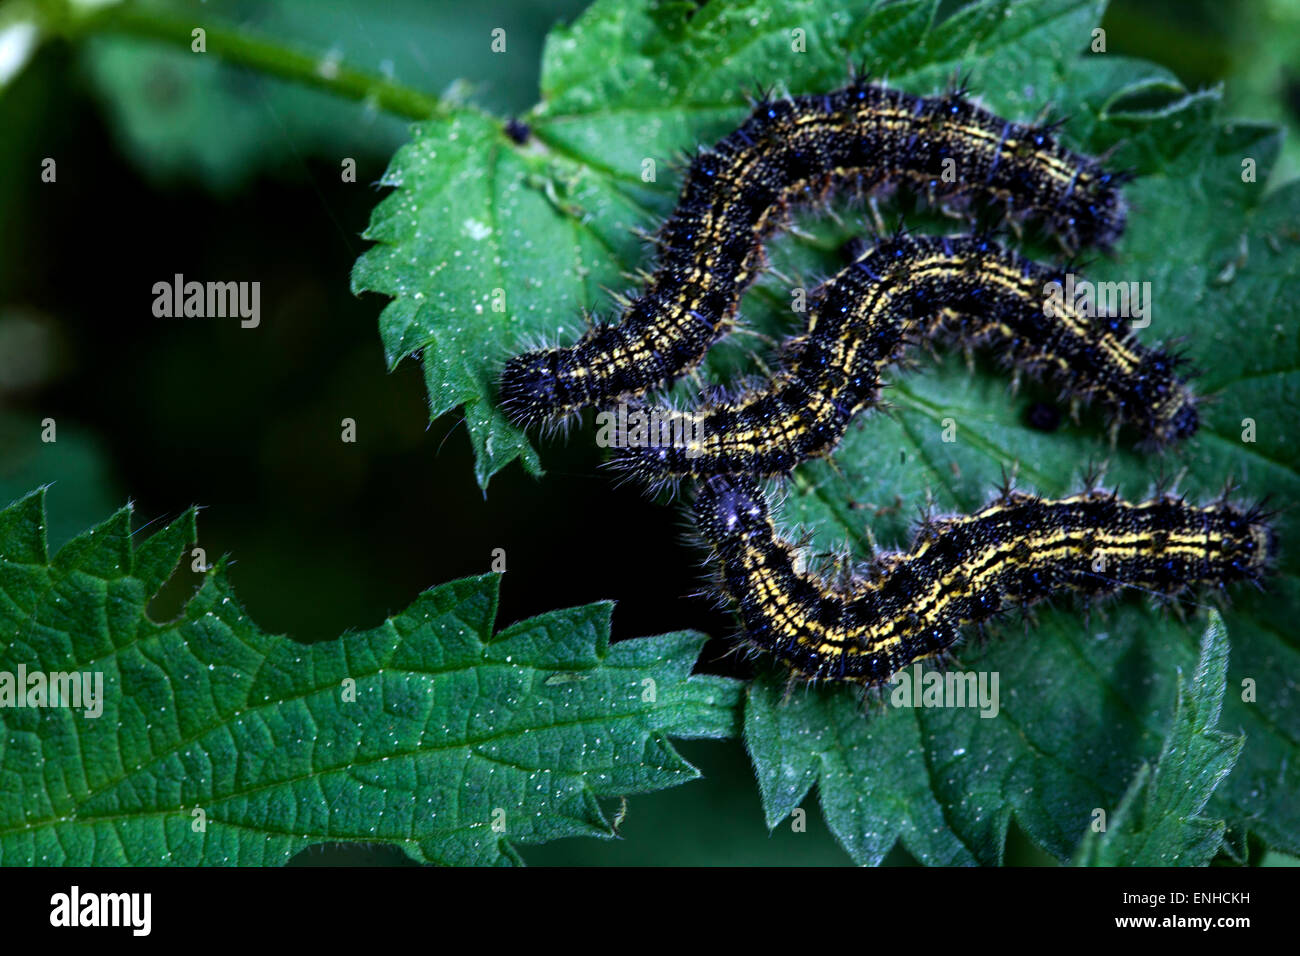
(791, 152)
(963, 570)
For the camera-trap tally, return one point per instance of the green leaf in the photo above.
(1084, 701)
(422, 733)
(1159, 822)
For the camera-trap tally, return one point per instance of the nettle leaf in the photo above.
(1159, 822)
(1085, 699)
(427, 732)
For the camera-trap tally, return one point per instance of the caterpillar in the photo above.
(794, 151)
(909, 606)
(965, 289)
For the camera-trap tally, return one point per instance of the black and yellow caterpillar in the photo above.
(903, 606)
(1019, 549)
(966, 289)
(790, 152)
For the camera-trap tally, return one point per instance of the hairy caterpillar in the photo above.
(1018, 550)
(789, 152)
(964, 289)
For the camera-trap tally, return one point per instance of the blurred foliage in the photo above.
(1253, 48)
(182, 115)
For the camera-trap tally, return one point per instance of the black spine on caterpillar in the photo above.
(965, 289)
(1020, 549)
(790, 152)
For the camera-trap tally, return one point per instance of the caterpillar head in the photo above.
(1170, 413)
(530, 388)
(1102, 210)
(1178, 419)
(1249, 541)
(1091, 210)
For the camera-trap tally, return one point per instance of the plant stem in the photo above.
(246, 49)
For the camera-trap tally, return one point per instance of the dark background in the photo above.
(326, 536)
